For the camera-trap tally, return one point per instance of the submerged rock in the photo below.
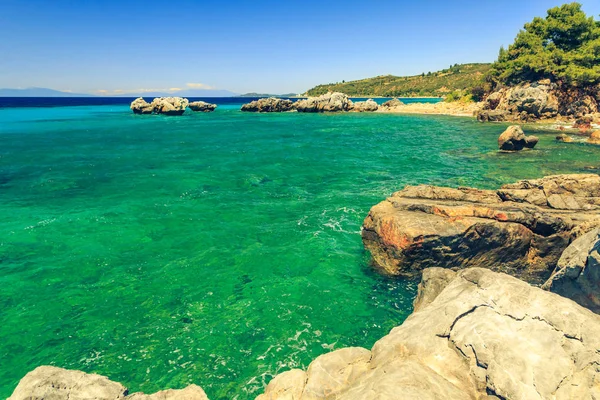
(52, 383)
(330, 102)
(521, 229)
(514, 139)
(480, 334)
(141, 106)
(365, 106)
(201, 106)
(271, 104)
(564, 138)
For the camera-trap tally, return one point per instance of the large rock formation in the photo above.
(483, 335)
(393, 103)
(271, 104)
(521, 229)
(365, 106)
(201, 106)
(330, 102)
(52, 383)
(514, 139)
(577, 275)
(160, 105)
(539, 100)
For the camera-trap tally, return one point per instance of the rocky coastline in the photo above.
(476, 331)
(169, 106)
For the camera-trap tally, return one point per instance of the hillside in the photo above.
(457, 77)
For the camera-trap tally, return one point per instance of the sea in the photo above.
(215, 248)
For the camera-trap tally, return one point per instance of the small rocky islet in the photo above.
(169, 106)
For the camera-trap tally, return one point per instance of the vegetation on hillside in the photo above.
(458, 80)
(563, 47)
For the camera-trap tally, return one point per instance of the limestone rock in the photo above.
(285, 386)
(594, 138)
(521, 229)
(564, 138)
(492, 115)
(202, 106)
(365, 106)
(535, 100)
(393, 103)
(514, 139)
(485, 334)
(169, 105)
(52, 383)
(330, 102)
(141, 106)
(577, 275)
(271, 104)
(433, 281)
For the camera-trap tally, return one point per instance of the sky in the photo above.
(284, 46)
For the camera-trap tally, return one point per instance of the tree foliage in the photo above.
(563, 47)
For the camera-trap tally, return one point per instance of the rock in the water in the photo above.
(393, 103)
(514, 139)
(285, 386)
(564, 138)
(330, 102)
(365, 106)
(594, 138)
(271, 104)
(492, 115)
(141, 106)
(52, 383)
(485, 335)
(169, 105)
(521, 229)
(577, 275)
(202, 106)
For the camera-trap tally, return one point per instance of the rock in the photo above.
(287, 385)
(202, 106)
(513, 139)
(582, 106)
(577, 274)
(433, 281)
(594, 138)
(169, 105)
(365, 106)
(52, 383)
(492, 115)
(485, 335)
(330, 102)
(271, 104)
(521, 229)
(141, 106)
(535, 100)
(393, 103)
(564, 138)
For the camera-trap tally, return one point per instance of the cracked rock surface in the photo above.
(521, 229)
(485, 334)
(52, 383)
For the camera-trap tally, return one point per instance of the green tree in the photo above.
(563, 47)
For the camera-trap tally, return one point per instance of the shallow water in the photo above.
(216, 249)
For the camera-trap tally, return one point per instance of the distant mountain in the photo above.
(185, 93)
(268, 95)
(39, 92)
(457, 77)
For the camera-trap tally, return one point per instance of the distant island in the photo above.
(457, 77)
(45, 92)
(252, 94)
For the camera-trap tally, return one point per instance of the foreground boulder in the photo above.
(577, 275)
(141, 106)
(480, 335)
(521, 229)
(201, 106)
(365, 106)
(52, 383)
(271, 104)
(514, 139)
(330, 102)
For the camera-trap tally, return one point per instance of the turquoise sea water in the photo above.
(216, 249)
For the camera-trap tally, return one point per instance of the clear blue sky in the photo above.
(265, 46)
